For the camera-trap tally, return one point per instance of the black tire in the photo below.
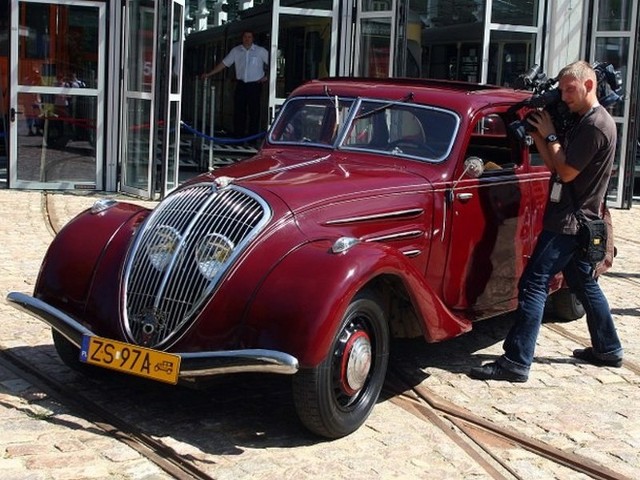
(566, 306)
(328, 401)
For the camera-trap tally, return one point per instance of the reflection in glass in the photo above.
(612, 192)
(53, 147)
(614, 15)
(376, 5)
(172, 161)
(315, 4)
(515, 12)
(176, 50)
(614, 50)
(510, 55)
(138, 143)
(140, 51)
(303, 54)
(450, 39)
(57, 77)
(375, 41)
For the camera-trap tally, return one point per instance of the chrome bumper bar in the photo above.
(192, 365)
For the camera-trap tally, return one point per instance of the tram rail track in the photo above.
(471, 430)
(147, 446)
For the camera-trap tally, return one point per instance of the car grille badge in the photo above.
(151, 323)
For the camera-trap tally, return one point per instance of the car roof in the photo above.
(460, 96)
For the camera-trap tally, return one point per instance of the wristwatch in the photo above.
(552, 137)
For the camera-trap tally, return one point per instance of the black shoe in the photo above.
(493, 371)
(587, 355)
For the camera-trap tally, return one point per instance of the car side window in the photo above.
(491, 142)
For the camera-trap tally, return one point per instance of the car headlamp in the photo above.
(212, 253)
(162, 248)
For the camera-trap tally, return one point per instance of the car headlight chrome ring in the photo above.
(212, 253)
(163, 246)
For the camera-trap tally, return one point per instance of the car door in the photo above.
(490, 222)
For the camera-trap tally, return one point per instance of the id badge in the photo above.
(556, 192)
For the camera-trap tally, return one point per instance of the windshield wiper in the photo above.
(381, 108)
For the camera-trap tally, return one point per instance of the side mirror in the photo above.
(473, 167)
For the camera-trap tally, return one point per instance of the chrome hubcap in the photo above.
(357, 362)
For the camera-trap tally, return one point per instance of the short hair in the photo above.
(579, 70)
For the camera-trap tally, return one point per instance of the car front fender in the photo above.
(300, 303)
(68, 269)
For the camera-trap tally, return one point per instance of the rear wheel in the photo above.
(565, 305)
(336, 397)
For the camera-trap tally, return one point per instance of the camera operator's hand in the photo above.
(542, 122)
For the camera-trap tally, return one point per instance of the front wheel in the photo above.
(336, 397)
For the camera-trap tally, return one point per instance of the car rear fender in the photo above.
(300, 303)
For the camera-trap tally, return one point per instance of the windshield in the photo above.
(395, 128)
(311, 120)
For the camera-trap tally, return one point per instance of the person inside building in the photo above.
(580, 166)
(251, 62)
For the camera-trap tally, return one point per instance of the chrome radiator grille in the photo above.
(184, 248)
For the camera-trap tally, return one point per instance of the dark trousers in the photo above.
(247, 108)
(555, 252)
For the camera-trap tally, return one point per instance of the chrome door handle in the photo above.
(465, 196)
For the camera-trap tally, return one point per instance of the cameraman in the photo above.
(581, 167)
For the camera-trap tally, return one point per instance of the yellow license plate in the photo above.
(132, 359)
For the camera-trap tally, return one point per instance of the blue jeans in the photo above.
(553, 253)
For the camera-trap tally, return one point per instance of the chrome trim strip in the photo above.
(205, 364)
(55, 318)
(198, 364)
(412, 253)
(395, 236)
(378, 216)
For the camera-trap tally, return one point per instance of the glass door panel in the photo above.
(172, 131)
(374, 56)
(139, 74)
(613, 41)
(57, 98)
(306, 46)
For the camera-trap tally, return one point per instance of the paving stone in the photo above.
(571, 405)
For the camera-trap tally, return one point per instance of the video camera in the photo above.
(547, 96)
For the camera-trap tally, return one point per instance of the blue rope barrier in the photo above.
(220, 140)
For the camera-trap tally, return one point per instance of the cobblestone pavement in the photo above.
(594, 412)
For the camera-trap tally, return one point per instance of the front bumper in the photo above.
(193, 364)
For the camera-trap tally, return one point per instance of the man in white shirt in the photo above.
(250, 62)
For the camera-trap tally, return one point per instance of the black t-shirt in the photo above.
(589, 147)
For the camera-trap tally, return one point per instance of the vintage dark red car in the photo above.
(375, 209)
